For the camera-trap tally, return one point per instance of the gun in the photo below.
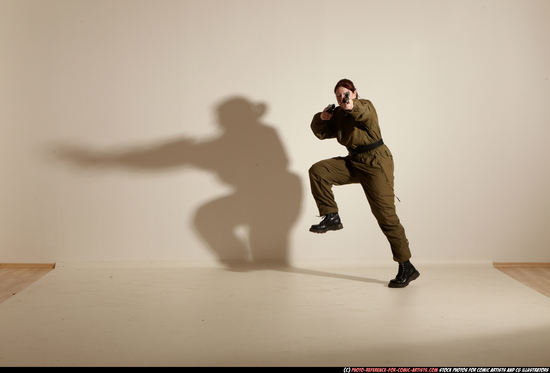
(331, 108)
(346, 98)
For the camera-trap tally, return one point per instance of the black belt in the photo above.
(365, 148)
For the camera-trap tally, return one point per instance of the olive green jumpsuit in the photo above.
(373, 169)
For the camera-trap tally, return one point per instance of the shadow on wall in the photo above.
(250, 157)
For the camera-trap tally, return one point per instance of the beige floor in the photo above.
(162, 315)
(536, 277)
(14, 280)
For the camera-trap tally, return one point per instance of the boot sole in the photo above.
(412, 277)
(332, 228)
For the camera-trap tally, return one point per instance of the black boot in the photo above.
(405, 274)
(331, 222)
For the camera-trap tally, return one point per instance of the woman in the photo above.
(354, 124)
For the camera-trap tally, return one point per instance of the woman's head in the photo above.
(346, 83)
(343, 87)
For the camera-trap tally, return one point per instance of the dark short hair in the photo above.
(346, 83)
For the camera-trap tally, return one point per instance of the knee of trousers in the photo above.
(316, 171)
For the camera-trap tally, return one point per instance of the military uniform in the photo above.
(372, 168)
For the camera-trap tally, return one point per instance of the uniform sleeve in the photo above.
(323, 129)
(362, 110)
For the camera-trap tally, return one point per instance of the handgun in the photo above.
(346, 98)
(331, 108)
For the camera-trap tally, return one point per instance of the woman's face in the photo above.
(340, 94)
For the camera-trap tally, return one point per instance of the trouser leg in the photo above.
(378, 187)
(322, 176)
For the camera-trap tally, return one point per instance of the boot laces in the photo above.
(401, 270)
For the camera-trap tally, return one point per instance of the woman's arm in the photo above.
(362, 110)
(323, 129)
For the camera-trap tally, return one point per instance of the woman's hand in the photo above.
(325, 115)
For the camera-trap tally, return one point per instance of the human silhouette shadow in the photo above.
(248, 156)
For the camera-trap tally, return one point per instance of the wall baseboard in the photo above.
(521, 265)
(28, 265)
(495, 264)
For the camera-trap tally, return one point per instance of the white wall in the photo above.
(112, 143)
